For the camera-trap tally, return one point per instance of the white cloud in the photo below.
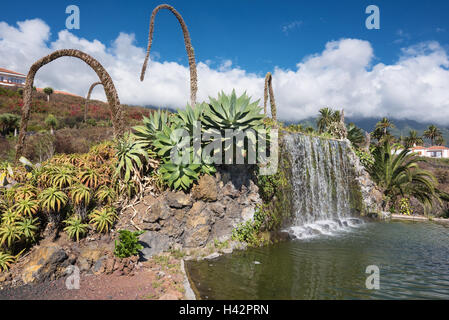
(341, 76)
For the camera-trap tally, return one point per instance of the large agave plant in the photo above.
(230, 112)
(179, 176)
(151, 125)
(169, 138)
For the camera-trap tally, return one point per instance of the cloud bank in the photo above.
(343, 75)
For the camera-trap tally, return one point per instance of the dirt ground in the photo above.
(159, 279)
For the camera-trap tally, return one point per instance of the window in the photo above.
(435, 154)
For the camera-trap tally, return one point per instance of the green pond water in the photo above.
(413, 259)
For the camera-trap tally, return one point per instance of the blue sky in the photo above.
(256, 35)
(320, 52)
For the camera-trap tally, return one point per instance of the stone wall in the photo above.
(210, 211)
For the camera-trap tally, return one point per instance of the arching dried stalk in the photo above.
(88, 98)
(108, 84)
(189, 49)
(269, 88)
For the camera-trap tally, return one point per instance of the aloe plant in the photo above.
(52, 199)
(75, 227)
(130, 155)
(103, 219)
(5, 261)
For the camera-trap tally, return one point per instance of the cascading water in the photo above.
(325, 192)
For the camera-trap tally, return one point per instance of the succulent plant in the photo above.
(130, 155)
(230, 112)
(180, 175)
(151, 125)
(75, 227)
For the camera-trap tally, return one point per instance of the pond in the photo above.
(413, 260)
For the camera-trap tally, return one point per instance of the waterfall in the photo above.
(326, 194)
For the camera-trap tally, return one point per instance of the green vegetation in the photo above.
(400, 176)
(170, 137)
(250, 231)
(433, 133)
(103, 219)
(128, 244)
(75, 227)
(48, 91)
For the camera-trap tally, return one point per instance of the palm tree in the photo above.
(48, 91)
(439, 141)
(382, 127)
(9, 122)
(269, 88)
(189, 49)
(325, 118)
(413, 139)
(399, 175)
(88, 98)
(51, 122)
(432, 133)
(108, 84)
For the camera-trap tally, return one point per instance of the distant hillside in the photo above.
(402, 126)
(72, 135)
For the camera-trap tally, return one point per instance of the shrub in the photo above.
(404, 207)
(129, 244)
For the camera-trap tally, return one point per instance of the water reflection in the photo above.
(412, 257)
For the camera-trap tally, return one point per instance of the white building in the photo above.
(11, 78)
(432, 152)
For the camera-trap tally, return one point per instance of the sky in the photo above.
(320, 52)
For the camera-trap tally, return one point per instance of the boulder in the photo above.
(178, 200)
(159, 211)
(45, 263)
(197, 237)
(206, 189)
(153, 243)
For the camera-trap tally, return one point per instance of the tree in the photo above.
(48, 91)
(188, 45)
(269, 89)
(51, 122)
(413, 139)
(432, 133)
(400, 176)
(9, 122)
(439, 141)
(383, 125)
(325, 118)
(108, 84)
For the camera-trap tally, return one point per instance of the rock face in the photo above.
(153, 243)
(213, 208)
(45, 263)
(371, 194)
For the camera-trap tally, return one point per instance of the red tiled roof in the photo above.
(430, 148)
(438, 148)
(12, 72)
